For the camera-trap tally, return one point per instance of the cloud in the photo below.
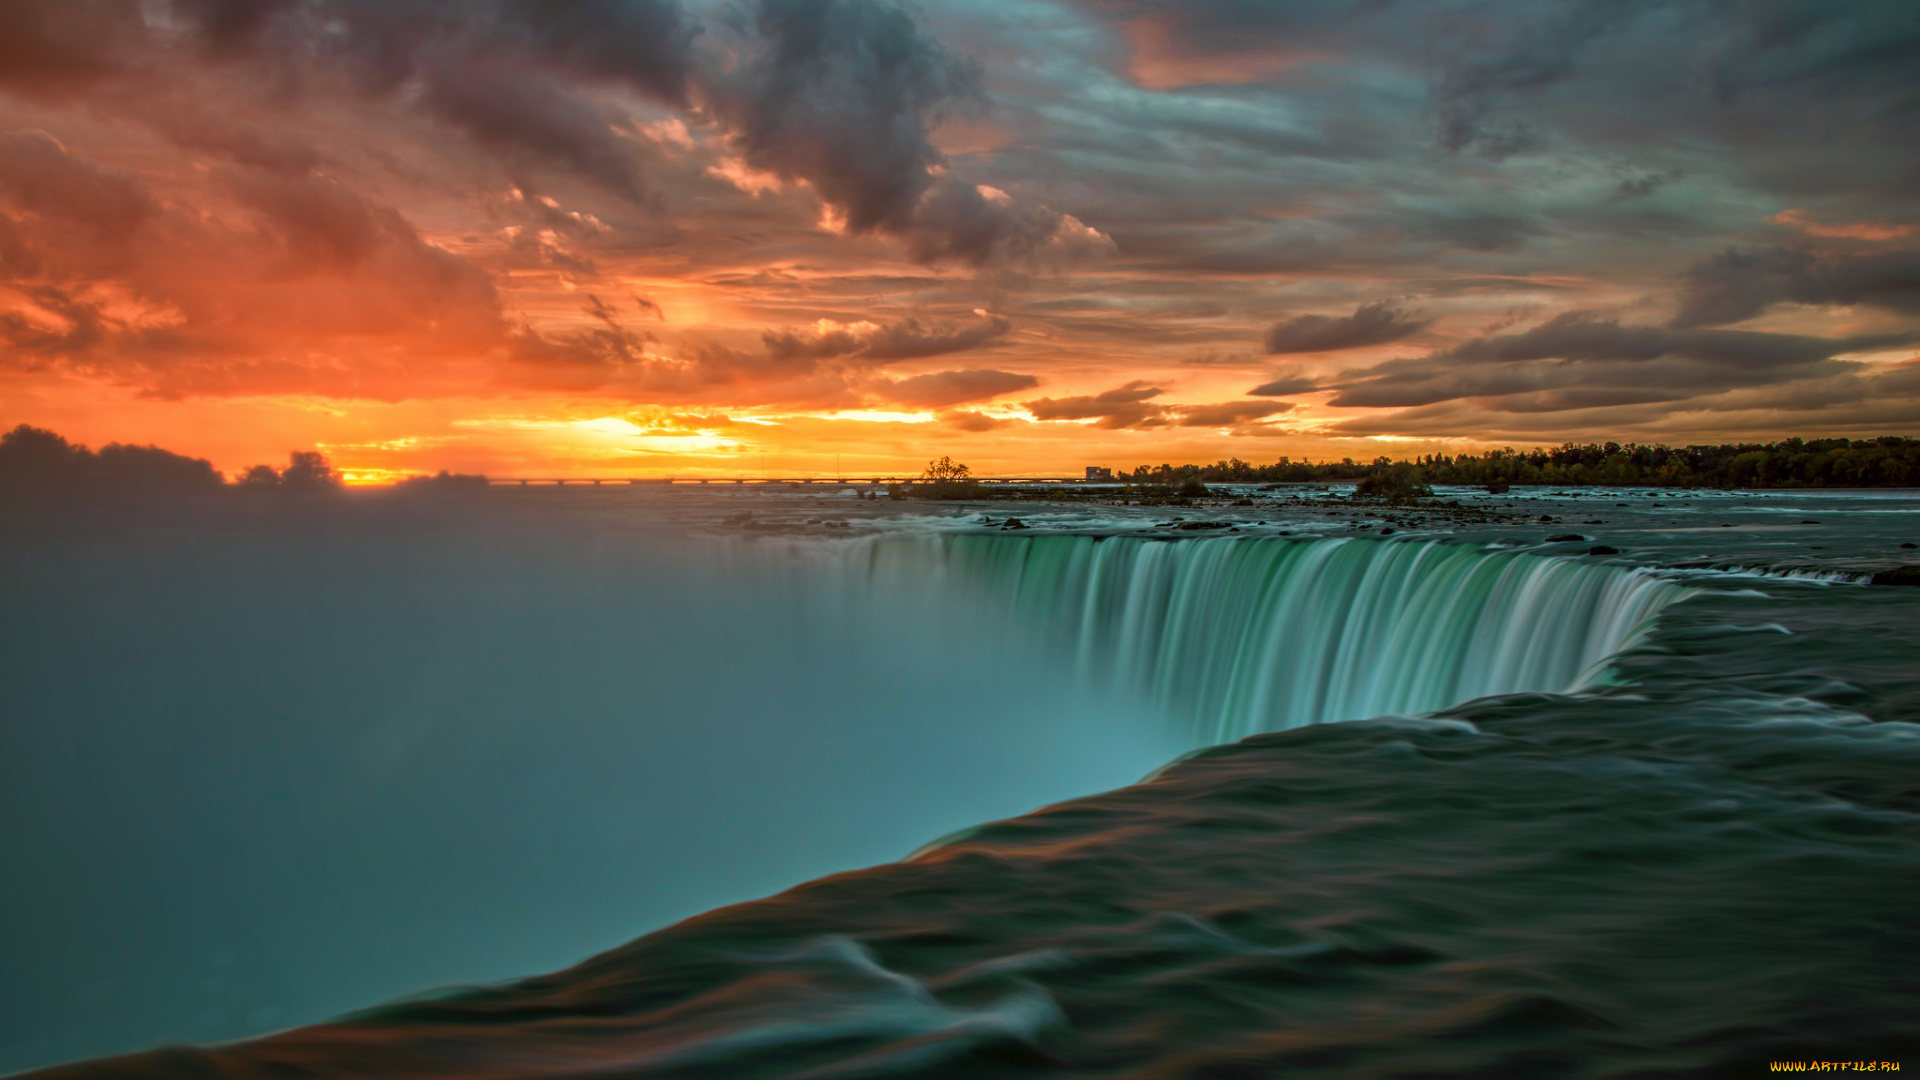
(1581, 360)
(614, 361)
(299, 282)
(1286, 386)
(314, 202)
(879, 343)
(1370, 324)
(908, 340)
(1130, 406)
(961, 221)
(842, 95)
(1230, 413)
(58, 46)
(826, 341)
(1643, 186)
(39, 175)
(1739, 283)
(839, 93)
(511, 74)
(1121, 407)
(641, 45)
(187, 124)
(1857, 400)
(535, 116)
(1858, 230)
(967, 420)
(943, 388)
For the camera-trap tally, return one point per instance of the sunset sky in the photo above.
(808, 237)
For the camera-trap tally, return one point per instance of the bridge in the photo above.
(766, 481)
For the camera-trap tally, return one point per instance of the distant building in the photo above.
(1096, 472)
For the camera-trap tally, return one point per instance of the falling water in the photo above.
(1237, 636)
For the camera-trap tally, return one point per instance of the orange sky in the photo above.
(1033, 238)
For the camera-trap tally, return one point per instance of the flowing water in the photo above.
(1654, 812)
(1234, 637)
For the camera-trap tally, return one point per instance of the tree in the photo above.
(945, 471)
(37, 463)
(1396, 483)
(308, 470)
(947, 479)
(258, 478)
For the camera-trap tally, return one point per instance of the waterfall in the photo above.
(1235, 636)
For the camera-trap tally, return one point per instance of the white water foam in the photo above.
(1236, 636)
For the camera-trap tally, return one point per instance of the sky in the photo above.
(841, 237)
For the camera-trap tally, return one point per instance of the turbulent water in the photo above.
(1643, 814)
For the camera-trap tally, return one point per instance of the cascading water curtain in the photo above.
(1238, 636)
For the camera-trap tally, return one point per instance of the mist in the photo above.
(266, 762)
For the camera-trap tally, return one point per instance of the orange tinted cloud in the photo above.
(1162, 60)
(1861, 230)
(518, 237)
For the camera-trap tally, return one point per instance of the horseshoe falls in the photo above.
(712, 784)
(1233, 637)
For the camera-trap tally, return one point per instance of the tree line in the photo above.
(37, 463)
(1888, 461)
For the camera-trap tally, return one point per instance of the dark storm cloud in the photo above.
(1740, 283)
(1580, 360)
(510, 109)
(907, 339)
(1798, 98)
(643, 45)
(943, 388)
(838, 94)
(1370, 324)
(511, 74)
(1489, 65)
(842, 94)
